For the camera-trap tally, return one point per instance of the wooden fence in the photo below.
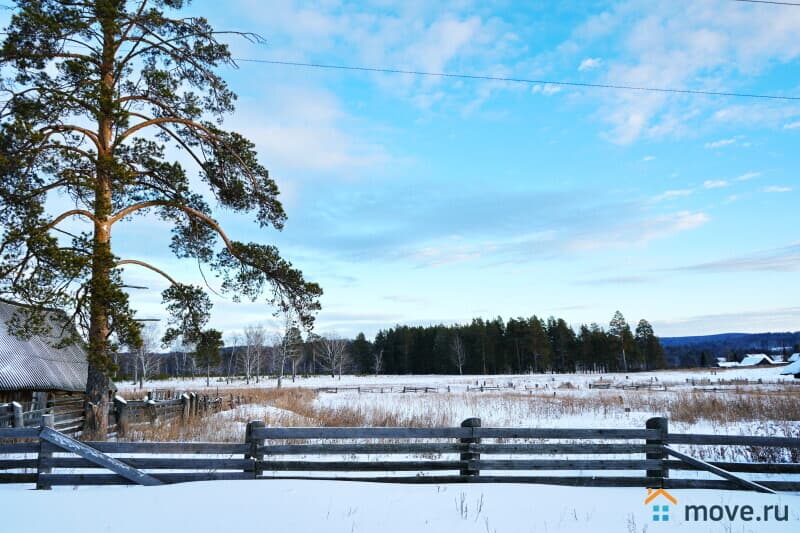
(647, 457)
(68, 413)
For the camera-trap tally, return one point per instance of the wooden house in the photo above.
(39, 373)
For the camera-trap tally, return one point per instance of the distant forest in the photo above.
(518, 345)
(497, 346)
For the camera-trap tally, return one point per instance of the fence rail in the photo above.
(68, 413)
(633, 457)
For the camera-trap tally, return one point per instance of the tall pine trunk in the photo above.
(98, 383)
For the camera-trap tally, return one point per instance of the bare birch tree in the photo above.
(458, 353)
(250, 357)
(146, 360)
(333, 353)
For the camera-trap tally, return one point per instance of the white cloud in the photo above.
(547, 89)
(720, 143)
(673, 194)
(307, 129)
(648, 158)
(776, 189)
(792, 125)
(709, 45)
(590, 63)
(748, 176)
(419, 36)
(715, 184)
(643, 231)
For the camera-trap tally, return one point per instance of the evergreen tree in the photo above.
(541, 347)
(361, 351)
(209, 344)
(96, 94)
(649, 346)
(620, 329)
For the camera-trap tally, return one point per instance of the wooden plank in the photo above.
(558, 433)
(754, 468)
(721, 484)
(358, 448)
(574, 481)
(112, 479)
(560, 449)
(148, 463)
(69, 429)
(8, 464)
(19, 433)
(561, 464)
(734, 440)
(19, 447)
(17, 478)
(220, 448)
(718, 471)
(358, 466)
(449, 433)
(360, 433)
(89, 453)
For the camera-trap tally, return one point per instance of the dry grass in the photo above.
(300, 407)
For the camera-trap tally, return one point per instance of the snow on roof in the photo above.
(794, 357)
(727, 364)
(753, 359)
(791, 369)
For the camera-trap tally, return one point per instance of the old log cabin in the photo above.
(44, 371)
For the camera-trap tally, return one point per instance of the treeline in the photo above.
(519, 345)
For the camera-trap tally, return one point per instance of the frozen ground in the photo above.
(321, 506)
(674, 378)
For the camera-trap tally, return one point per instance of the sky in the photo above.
(424, 200)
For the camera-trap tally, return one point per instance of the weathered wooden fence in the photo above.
(647, 457)
(68, 414)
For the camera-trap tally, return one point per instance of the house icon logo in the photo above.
(660, 507)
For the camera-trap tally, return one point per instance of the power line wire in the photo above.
(773, 2)
(518, 80)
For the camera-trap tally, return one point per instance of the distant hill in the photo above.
(702, 350)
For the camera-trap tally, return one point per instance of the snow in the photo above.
(753, 359)
(320, 506)
(792, 368)
(306, 505)
(460, 383)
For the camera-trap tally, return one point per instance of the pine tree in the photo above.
(209, 344)
(96, 94)
(620, 329)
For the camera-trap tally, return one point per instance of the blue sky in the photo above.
(426, 200)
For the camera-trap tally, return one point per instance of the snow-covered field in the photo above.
(669, 377)
(321, 506)
(765, 405)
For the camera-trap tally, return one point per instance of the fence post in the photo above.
(19, 421)
(192, 404)
(152, 411)
(121, 410)
(45, 455)
(185, 407)
(470, 456)
(254, 445)
(661, 424)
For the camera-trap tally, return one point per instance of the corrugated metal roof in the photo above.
(34, 364)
